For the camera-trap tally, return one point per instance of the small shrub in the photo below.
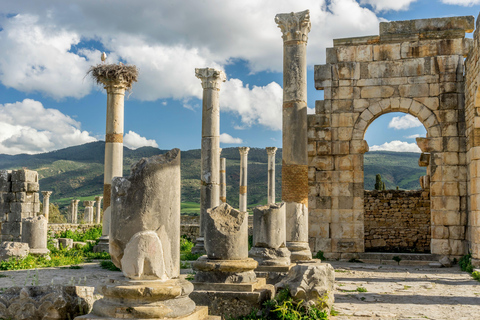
(397, 258)
(186, 245)
(465, 263)
(361, 289)
(188, 256)
(109, 265)
(476, 275)
(320, 255)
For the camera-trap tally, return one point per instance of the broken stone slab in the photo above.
(137, 206)
(226, 233)
(65, 243)
(55, 302)
(9, 249)
(445, 261)
(312, 282)
(79, 244)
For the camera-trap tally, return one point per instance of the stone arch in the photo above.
(409, 106)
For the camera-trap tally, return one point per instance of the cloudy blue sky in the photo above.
(46, 47)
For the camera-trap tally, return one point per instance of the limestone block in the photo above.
(386, 52)
(148, 200)
(226, 233)
(144, 258)
(11, 230)
(358, 146)
(377, 92)
(24, 175)
(311, 283)
(322, 244)
(456, 232)
(5, 180)
(10, 249)
(65, 243)
(323, 72)
(465, 23)
(54, 302)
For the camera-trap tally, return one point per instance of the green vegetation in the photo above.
(397, 258)
(359, 289)
(465, 264)
(320, 256)
(109, 265)
(90, 234)
(185, 250)
(379, 184)
(283, 307)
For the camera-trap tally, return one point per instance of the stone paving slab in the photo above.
(404, 292)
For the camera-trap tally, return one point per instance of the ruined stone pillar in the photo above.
(269, 242)
(271, 174)
(210, 156)
(75, 211)
(295, 27)
(88, 213)
(46, 203)
(71, 210)
(98, 200)
(242, 202)
(34, 232)
(223, 180)
(116, 79)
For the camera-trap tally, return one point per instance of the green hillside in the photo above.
(78, 172)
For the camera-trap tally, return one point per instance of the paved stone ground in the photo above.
(404, 292)
(393, 292)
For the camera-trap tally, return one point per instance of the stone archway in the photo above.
(399, 70)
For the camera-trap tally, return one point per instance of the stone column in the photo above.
(116, 79)
(223, 180)
(271, 174)
(210, 168)
(34, 232)
(75, 211)
(46, 203)
(88, 213)
(71, 210)
(98, 200)
(295, 27)
(242, 202)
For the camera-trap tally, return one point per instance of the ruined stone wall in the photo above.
(19, 199)
(415, 67)
(472, 119)
(397, 221)
(57, 228)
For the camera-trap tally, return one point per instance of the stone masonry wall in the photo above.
(397, 221)
(19, 199)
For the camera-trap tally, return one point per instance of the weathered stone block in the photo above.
(13, 249)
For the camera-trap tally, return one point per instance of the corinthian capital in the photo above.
(295, 25)
(243, 150)
(211, 78)
(271, 150)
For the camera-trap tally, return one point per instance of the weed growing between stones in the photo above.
(320, 256)
(465, 264)
(397, 259)
(109, 265)
(283, 307)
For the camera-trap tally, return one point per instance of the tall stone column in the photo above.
(98, 200)
(271, 174)
(116, 79)
(75, 211)
(88, 213)
(223, 180)
(46, 203)
(71, 210)
(295, 27)
(242, 202)
(210, 155)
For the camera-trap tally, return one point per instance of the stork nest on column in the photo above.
(103, 73)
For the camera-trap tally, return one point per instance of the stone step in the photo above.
(388, 256)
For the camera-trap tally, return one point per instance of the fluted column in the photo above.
(46, 203)
(98, 200)
(71, 210)
(88, 213)
(295, 28)
(271, 174)
(75, 211)
(242, 203)
(210, 155)
(223, 180)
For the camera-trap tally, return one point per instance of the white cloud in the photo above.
(258, 105)
(398, 146)
(465, 3)
(28, 127)
(134, 141)
(226, 138)
(404, 122)
(413, 136)
(384, 5)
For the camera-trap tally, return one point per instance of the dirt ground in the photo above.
(392, 292)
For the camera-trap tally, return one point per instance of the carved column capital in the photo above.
(88, 203)
(211, 78)
(271, 150)
(294, 26)
(47, 194)
(243, 150)
(99, 198)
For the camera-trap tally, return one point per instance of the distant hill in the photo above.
(78, 171)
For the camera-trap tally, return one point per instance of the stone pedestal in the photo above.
(295, 28)
(46, 203)
(34, 232)
(210, 153)
(88, 213)
(225, 280)
(98, 213)
(242, 202)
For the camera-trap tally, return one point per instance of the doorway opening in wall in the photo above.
(397, 208)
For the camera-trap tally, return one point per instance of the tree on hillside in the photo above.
(54, 215)
(379, 184)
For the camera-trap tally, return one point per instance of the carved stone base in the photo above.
(103, 245)
(199, 247)
(300, 251)
(224, 271)
(270, 257)
(129, 299)
(200, 313)
(273, 274)
(232, 303)
(40, 252)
